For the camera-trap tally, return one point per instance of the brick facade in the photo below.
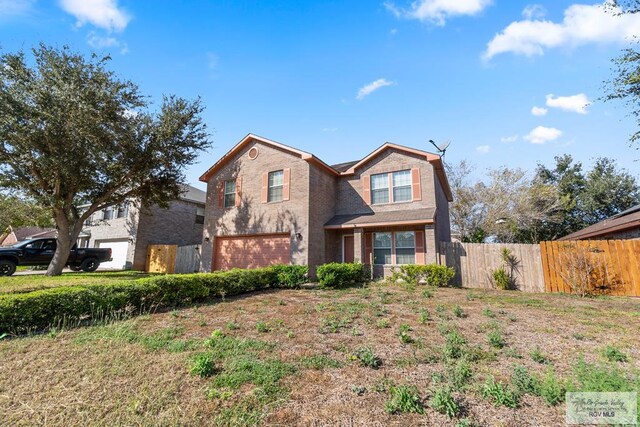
(318, 193)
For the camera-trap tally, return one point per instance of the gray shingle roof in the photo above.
(424, 215)
(193, 194)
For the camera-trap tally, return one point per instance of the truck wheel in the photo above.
(7, 268)
(89, 265)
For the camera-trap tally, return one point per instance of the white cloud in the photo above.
(576, 103)
(102, 13)
(372, 87)
(483, 149)
(534, 11)
(212, 61)
(393, 31)
(582, 24)
(97, 41)
(509, 139)
(437, 11)
(9, 8)
(539, 111)
(329, 130)
(542, 134)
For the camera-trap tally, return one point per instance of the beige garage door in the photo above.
(251, 251)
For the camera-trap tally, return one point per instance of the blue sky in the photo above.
(338, 79)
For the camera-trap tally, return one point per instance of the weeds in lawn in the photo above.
(232, 326)
(333, 324)
(424, 316)
(488, 313)
(470, 296)
(404, 399)
(263, 327)
(382, 323)
(458, 312)
(403, 333)
(552, 390)
(537, 355)
(460, 375)
(427, 293)
(466, 422)
(495, 339)
(443, 402)
(367, 358)
(319, 362)
(383, 385)
(614, 355)
(454, 346)
(499, 394)
(202, 365)
(358, 389)
(523, 381)
(441, 311)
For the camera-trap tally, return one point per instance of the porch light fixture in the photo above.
(298, 236)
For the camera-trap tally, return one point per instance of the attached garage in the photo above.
(251, 251)
(119, 249)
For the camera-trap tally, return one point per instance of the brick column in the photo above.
(431, 245)
(358, 245)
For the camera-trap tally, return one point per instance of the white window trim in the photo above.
(373, 245)
(229, 193)
(269, 186)
(393, 187)
(393, 246)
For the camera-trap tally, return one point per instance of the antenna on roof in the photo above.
(442, 149)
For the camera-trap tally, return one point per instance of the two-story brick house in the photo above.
(270, 203)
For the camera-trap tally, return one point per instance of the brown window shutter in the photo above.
(221, 194)
(286, 186)
(265, 188)
(416, 190)
(420, 259)
(366, 189)
(238, 191)
(368, 247)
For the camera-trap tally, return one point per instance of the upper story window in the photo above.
(230, 193)
(400, 191)
(276, 185)
(122, 210)
(379, 188)
(107, 213)
(199, 215)
(402, 186)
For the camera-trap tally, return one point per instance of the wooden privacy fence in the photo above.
(592, 266)
(475, 262)
(173, 259)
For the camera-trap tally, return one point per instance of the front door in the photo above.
(347, 253)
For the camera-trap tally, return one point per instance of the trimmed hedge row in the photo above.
(21, 312)
(340, 275)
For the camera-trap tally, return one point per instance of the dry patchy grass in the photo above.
(304, 357)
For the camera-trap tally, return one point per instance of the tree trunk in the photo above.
(66, 239)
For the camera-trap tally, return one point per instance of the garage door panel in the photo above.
(119, 249)
(251, 251)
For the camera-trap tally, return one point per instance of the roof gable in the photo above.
(255, 138)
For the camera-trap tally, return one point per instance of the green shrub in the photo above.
(614, 355)
(495, 339)
(551, 389)
(291, 276)
(404, 398)
(524, 382)
(70, 305)
(202, 365)
(499, 394)
(501, 279)
(340, 275)
(432, 274)
(367, 358)
(443, 402)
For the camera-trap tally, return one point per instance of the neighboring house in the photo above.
(13, 236)
(625, 225)
(129, 229)
(269, 203)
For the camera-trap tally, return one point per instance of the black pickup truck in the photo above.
(40, 252)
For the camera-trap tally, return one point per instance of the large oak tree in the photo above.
(76, 138)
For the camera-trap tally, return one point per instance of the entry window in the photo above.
(199, 215)
(405, 247)
(276, 185)
(230, 193)
(402, 186)
(379, 188)
(382, 248)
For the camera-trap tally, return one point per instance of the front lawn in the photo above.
(33, 282)
(382, 355)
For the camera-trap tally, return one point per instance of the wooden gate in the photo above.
(161, 258)
(595, 266)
